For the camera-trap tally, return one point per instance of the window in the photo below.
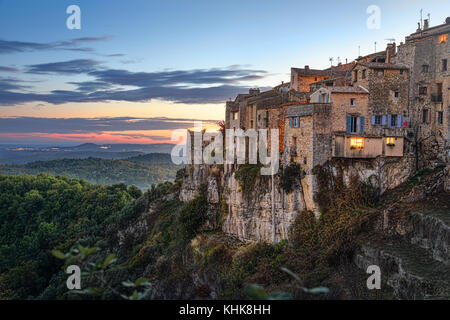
(422, 91)
(235, 115)
(425, 68)
(352, 102)
(443, 38)
(401, 71)
(355, 73)
(393, 120)
(294, 122)
(440, 118)
(390, 141)
(293, 150)
(356, 143)
(363, 74)
(444, 64)
(377, 120)
(267, 119)
(425, 116)
(396, 93)
(354, 124)
(381, 73)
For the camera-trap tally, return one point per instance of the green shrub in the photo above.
(193, 215)
(290, 177)
(246, 175)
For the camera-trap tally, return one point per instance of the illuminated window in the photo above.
(356, 143)
(443, 38)
(235, 115)
(390, 141)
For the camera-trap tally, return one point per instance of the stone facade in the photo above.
(426, 54)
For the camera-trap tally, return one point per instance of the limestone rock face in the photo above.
(266, 213)
(195, 176)
(251, 217)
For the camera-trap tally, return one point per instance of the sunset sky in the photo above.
(136, 70)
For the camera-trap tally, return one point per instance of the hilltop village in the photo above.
(382, 117)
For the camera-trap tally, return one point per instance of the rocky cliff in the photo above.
(412, 247)
(266, 212)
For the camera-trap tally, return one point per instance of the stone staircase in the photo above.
(416, 265)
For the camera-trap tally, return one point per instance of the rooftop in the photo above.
(348, 89)
(311, 72)
(381, 65)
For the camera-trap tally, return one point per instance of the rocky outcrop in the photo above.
(261, 215)
(431, 231)
(413, 254)
(409, 269)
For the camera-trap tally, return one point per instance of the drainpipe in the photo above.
(274, 222)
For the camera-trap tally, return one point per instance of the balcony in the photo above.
(367, 147)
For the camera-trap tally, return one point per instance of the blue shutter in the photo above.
(383, 120)
(297, 122)
(320, 98)
(389, 120)
(399, 121)
(327, 98)
(373, 120)
(361, 120)
(290, 122)
(349, 124)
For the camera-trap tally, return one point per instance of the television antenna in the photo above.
(390, 40)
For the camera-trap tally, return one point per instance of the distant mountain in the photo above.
(144, 148)
(23, 155)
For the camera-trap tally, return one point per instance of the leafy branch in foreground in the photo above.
(96, 271)
(257, 292)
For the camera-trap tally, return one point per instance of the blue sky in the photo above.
(192, 55)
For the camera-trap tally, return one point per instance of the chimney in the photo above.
(426, 24)
(447, 21)
(390, 51)
(253, 91)
(306, 67)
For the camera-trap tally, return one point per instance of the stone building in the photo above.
(426, 53)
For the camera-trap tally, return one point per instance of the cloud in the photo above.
(8, 69)
(72, 45)
(91, 86)
(7, 84)
(90, 125)
(78, 66)
(178, 77)
(198, 86)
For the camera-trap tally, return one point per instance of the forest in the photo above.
(142, 170)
